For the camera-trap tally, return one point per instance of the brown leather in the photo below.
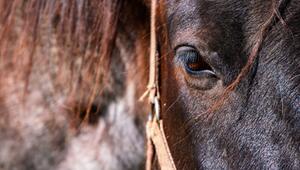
(156, 140)
(161, 146)
(153, 71)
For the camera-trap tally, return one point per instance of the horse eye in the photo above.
(192, 60)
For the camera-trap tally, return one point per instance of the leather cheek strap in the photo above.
(157, 136)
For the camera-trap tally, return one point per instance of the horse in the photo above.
(72, 73)
(229, 83)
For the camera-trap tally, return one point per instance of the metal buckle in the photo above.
(155, 110)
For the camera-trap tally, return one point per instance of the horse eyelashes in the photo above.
(192, 61)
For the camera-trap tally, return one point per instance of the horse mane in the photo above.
(65, 31)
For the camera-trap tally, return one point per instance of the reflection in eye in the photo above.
(198, 73)
(192, 60)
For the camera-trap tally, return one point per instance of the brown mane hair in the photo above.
(78, 35)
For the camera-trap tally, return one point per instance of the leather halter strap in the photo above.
(156, 139)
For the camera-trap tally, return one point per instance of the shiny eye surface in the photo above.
(198, 71)
(192, 61)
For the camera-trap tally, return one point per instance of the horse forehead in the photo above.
(182, 16)
(199, 8)
(189, 6)
(186, 19)
(183, 7)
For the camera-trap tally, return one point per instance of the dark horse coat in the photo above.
(72, 73)
(235, 68)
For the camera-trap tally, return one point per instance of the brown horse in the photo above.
(72, 73)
